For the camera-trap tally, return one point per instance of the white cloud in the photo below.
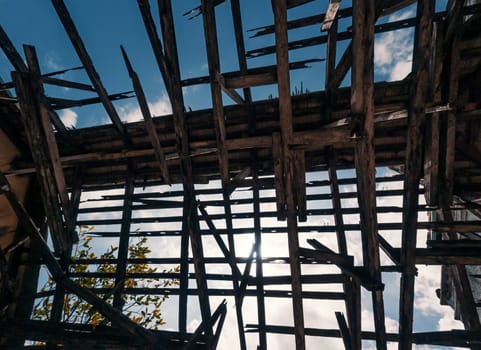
(393, 50)
(131, 112)
(69, 118)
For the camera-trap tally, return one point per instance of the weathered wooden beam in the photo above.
(250, 77)
(236, 180)
(115, 316)
(331, 14)
(124, 239)
(53, 151)
(149, 124)
(362, 128)
(234, 95)
(213, 61)
(11, 52)
(190, 222)
(279, 8)
(345, 334)
(67, 83)
(63, 103)
(413, 167)
(300, 184)
(348, 286)
(220, 242)
(84, 57)
(31, 119)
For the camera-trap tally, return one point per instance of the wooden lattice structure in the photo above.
(289, 167)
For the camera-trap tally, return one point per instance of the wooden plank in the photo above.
(362, 128)
(11, 52)
(278, 158)
(31, 120)
(124, 239)
(234, 95)
(53, 152)
(279, 8)
(149, 124)
(413, 167)
(348, 286)
(84, 57)
(220, 242)
(190, 223)
(67, 84)
(331, 14)
(300, 184)
(115, 316)
(345, 334)
(213, 61)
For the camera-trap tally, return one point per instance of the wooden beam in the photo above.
(362, 128)
(124, 239)
(220, 242)
(345, 334)
(213, 61)
(190, 222)
(331, 14)
(149, 124)
(234, 95)
(54, 154)
(31, 119)
(11, 52)
(348, 286)
(84, 57)
(279, 8)
(413, 167)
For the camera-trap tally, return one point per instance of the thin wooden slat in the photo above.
(124, 239)
(300, 184)
(84, 57)
(149, 124)
(345, 334)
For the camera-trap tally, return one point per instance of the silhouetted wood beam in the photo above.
(279, 8)
(67, 83)
(149, 124)
(63, 103)
(124, 239)
(250, 77)
(413, 167)
(322, 39)
(345, 334)
(84, 57)
(348, 286)
(213, 61)
(236, 180)
(220, 242)
(362, 128)
(114, 315)
(190, 221)
(234, 95)
(11, 52)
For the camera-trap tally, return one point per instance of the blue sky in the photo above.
(105, 25)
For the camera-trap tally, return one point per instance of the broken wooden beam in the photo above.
(149, 124)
